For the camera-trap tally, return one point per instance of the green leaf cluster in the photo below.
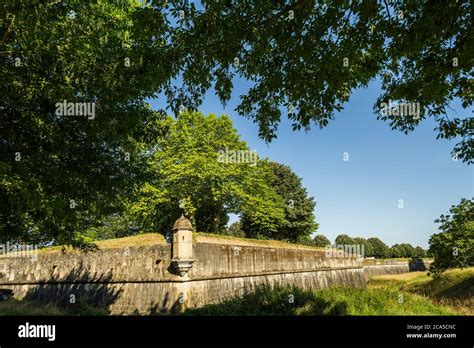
(187, 174)
(453, 246)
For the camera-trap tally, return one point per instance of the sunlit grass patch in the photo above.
(337, 301)
(224, 239)
(143, 239)
(453, 288)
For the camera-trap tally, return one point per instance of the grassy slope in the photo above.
(144, 239)
(342, 301)
(454, 288)
(224, 239)
(404, 294)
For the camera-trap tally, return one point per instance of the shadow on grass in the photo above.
(449, 287)
(462, 290)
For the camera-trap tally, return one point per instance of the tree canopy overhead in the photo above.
(304, 58)
(60, 174)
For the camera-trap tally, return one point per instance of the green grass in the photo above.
(269, 243)
(404, 294)
(453, 288)
(14, 307)
(146, 239)
(336, 301)
(143, 239)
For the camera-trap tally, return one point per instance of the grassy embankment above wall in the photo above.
(147, 239)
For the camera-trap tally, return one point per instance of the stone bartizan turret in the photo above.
(182, 259)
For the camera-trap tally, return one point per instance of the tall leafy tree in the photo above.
(396, 251)
(420, 252)
(368, 250)
(299, 220)
(321, 241)
(408, 249)
(401, 250)
(187, 175)
(453, 246)
(381, 250)
(344, 239)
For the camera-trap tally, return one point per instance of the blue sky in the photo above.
(361, 197)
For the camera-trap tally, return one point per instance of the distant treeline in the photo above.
(373, 247)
